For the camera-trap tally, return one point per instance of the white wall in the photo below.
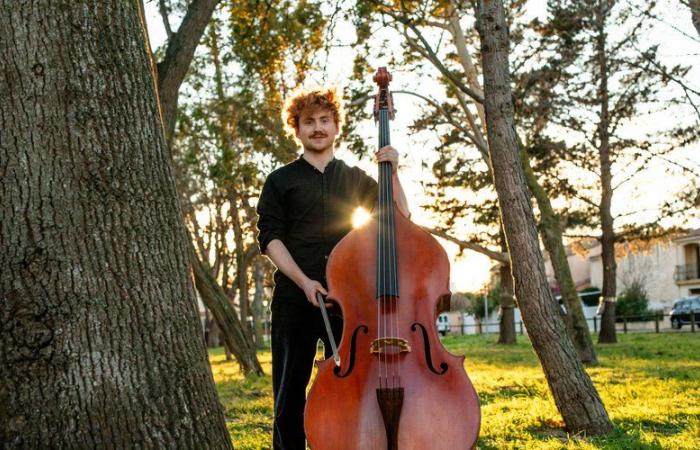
(654, 269)
(579, 266)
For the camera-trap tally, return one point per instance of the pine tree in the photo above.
(614, 81)
(576, 397)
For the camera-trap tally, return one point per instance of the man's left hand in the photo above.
(389, 154)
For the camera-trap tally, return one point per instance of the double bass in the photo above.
(392, 385)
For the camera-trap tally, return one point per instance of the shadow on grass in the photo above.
(512, 391)
(247, 388)
(690, 374)
(485, 444)
(674, 424)
(621, 438)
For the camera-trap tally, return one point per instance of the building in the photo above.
(668, 270)
(652, 268)
(687, 272)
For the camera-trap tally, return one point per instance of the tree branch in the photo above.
(433, 23)
(483, 149)
(163, 8)
(695, 13)
(427, 51)
(497, 256)
(178, 56)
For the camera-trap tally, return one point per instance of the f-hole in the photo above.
(428, 353)
(353, 350)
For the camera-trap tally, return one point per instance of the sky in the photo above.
(678, 43)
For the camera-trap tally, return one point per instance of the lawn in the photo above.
(650, 384)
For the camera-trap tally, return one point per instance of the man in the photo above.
(305, 208)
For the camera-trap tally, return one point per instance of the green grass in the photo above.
(650, 385)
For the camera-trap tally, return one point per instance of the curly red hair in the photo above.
(311, 101)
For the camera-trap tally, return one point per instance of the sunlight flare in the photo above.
(360, 217)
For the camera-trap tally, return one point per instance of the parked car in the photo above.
(682, 311)
(443, 324)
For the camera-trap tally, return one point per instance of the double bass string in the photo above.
(387, 242)
(380, 268)
(384, 264)
(394, 271)
(390, 254)
(394, 277)
(385, 255)
(387, 270)
(385, 226)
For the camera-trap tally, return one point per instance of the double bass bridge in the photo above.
(386, 344)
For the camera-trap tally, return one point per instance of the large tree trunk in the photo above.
(572, 389)
(607, 324)
(101, 343)
(550, 228)
(506, 334)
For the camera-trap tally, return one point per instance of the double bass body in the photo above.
(440, 408)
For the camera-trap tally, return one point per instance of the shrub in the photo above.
(633, 301)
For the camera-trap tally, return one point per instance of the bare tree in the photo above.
(618, 79)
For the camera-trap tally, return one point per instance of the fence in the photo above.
(647, 323)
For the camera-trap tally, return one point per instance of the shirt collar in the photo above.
(330, 164)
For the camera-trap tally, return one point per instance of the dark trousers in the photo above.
(296, 328)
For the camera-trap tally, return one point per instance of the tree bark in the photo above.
(258, 310)
(572, 389)
(607, 324)
(231, 328)
(101, 345)
(178, 56)
(695, 13)
(242, 276)
(550, 230)
(506, 325)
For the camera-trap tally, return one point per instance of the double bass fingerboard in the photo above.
(387, 271)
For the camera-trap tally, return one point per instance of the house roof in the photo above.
(688, 236)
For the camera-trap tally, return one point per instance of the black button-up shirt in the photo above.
(310, 211)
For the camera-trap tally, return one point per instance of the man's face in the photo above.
(317, 130)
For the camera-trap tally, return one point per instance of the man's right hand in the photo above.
(311, 287)
(279, 255)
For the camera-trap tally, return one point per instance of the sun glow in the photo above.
(360, 217)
